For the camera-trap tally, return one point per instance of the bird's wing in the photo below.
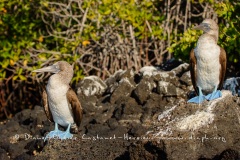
(76, 106)
(45, 105)
(223, 62)
(193, 62)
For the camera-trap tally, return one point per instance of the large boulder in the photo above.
(193, 131)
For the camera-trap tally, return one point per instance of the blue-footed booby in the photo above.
(60, 102)
(207, 63)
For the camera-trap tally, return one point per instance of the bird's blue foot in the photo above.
(53, 134)
(197, 99)
(214, 95)
(66, 134)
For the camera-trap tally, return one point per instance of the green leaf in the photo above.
(15, 77)
(22, 78)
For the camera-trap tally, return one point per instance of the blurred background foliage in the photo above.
(99, 37)
(229, 32)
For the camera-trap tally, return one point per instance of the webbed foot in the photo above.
(197, 99)
(66, 134)
(214, 95)
(53, 134)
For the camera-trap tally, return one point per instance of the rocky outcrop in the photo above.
(191, 131)
(233, 84)
(130, 115)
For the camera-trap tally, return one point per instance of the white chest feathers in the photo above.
(208, 66)
(58, 103)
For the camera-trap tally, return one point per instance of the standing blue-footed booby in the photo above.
(207, 63)
(60, 102)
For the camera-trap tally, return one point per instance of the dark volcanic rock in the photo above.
(88, 149)
(146, 150)
(88, 91)
(146, 84)
(128, 111)
(141, 115)
(18, 132)
(114, 80)
(123, 90)
(229, 154)
(233, 84)
(23, 156)
(90, 86)
(201, 130)
(185, 79)
(3, 154)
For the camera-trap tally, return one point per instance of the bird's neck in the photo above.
(213, 34)
(57, 80)
(207, 39)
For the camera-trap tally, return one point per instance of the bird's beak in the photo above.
(199, 27)
(52, 69)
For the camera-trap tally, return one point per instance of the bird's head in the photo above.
(56, 67)
(62, 69)
(208, 26)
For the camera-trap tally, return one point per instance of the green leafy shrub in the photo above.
(228, 12)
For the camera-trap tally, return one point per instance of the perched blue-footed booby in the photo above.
(60, 102)
(207, 63)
